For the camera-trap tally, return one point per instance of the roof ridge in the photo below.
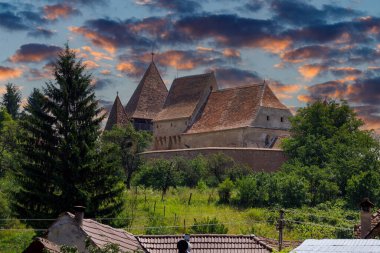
(190, 76)
(239, 87)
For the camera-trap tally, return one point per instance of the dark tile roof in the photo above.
(41, 245)
(205, 243)
(101, 234)
(234, 108)
(117, 115)
(149, 96)
(185, 94)
(229, 108)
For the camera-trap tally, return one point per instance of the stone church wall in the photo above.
(240, 137)
(258, 159)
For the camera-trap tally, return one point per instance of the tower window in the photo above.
(282, 119)
(267, 117)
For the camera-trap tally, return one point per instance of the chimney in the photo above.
(79, 214)
(365, 217)
(184, 245)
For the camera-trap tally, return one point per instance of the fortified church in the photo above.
(196, 113)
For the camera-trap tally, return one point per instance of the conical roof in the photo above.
(149, 96)
(117, 116)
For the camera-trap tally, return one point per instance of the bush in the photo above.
(224, 190)
(253, 191)
(208, 226)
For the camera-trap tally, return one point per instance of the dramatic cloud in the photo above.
(300, 13)
(309, 71)
(35, 53)
(41, 32)
(284, 91)
(237, 31)
(233, 77)
(111, 35)
(9, 73)
(178, 6)
(53, 12)
(187, 60)
(101, 84)
(132, 69)
(91, 64)
(11, 22)
(96, 54)
(306, 53)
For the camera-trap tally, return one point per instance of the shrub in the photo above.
(208, 226)
(224, 190)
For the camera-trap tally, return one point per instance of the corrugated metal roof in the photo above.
(339, 245)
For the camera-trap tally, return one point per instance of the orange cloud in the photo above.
(97, 39)
(304, 98)
(230, 52)
(105, 72)
(129, 68)
(53, 12)
(97, 55)
(91, 64)
(9, 73)
(288, 88)
(310, 71)
(274, 45)
(2, 90)
(177, 59)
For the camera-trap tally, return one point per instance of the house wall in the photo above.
(259, 159)
(65, 231)
(167, 134)
(240, 137)
(271, 118)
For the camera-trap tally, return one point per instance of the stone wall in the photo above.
(245, 137)
(259, 159)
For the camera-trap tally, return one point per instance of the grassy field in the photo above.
(147, 213)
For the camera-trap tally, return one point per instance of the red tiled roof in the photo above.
(234, 108)
(205, 243)
(184, 96)
(117, 116)
(149, 96)
(102, 234)
(229, 108)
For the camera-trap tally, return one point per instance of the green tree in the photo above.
(12, 99)
(129, 144)
(64, 163)
(326, 138)
(8, 142)
(160, 174)
(224, 190)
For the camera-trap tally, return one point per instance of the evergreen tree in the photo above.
(11, 100)
(61, 148)
(37, 194)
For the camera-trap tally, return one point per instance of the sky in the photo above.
(305, 50)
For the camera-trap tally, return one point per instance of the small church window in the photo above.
(282, 119)
(267, 117)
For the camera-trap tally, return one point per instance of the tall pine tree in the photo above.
(12, 99)
(79, 170)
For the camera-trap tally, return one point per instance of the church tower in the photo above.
(117, 116)
(147, 100)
